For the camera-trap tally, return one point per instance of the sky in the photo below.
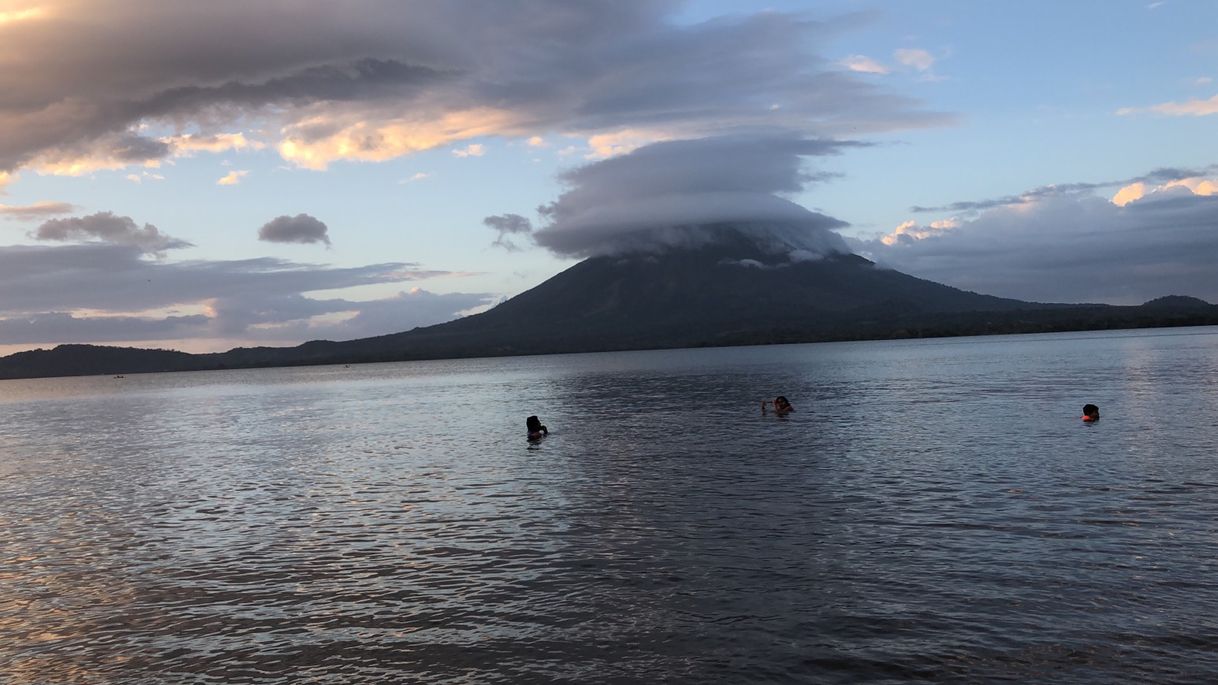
(200, 176)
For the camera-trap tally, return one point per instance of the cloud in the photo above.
(301, 228)
(1129, 193)
(110, 228)
(915, 58)
(1071, 246)
(606, 145)
(106, 153)
(139, 178)
(1188, 108)
(910, 231)
(1158, 176)
(1138, 190)
(100, 292)
(474, 150)
(537, 141)
(864, 65)
(109, 277)
(187, 144)
(232, 178)
(37, 210)
(316, 142)
(105, 84)
(680, 193)
(24, 14)
(65, 327)
(401, 312)
(415, 178)
(508, 225)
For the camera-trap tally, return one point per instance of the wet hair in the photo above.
(780, 401)
(534, 425)
(1091, 410)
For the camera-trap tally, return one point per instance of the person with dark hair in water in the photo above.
(1091, 413)
(536, 430)
(781, 406)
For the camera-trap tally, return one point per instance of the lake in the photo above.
(934, 510)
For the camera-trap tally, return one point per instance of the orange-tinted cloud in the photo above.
(232, 178)
(1188, 108)
(186, 144)
(14, 16)
(377, 141)
(1129, 193)
(624, 141)
(397, 78)
(911, 230)
(1138, 190)
(36, 210)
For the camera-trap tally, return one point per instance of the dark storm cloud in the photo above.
(1071, 248)
(80, 79)
(43, 285)
(107, 226)
(301, 228)
(507, 225)
(670, 194)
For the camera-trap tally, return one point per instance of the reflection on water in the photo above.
(933, 510)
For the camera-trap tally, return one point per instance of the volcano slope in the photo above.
(714, 295)
(732, 292)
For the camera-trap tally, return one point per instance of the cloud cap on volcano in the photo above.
(669, 194)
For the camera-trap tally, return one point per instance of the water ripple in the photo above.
(933, 511)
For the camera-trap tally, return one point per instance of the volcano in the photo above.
(734, 291)
(726, 293)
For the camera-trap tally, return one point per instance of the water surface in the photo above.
(934, 510)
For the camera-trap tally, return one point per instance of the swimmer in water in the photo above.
(781, 406)
(536, 430)
(1091, 413)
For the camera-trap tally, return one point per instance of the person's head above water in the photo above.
(780, 403)
(535, 427)
(1091, 412)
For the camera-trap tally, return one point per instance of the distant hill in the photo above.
(84, 360)
(1177, 302)
(730, 293)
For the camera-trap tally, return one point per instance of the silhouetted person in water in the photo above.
(1091, 413)
(781, 406)
(536, 430)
